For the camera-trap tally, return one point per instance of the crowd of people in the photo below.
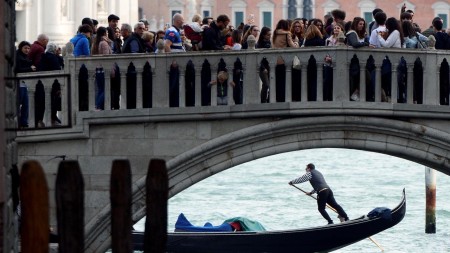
(217, 34)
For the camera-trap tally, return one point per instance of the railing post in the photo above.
(91, 92)
(182, 88)
(230, 100)
(108, 89)
(430, 191)
(431, 80)
(31, 103)
(48, 104)
(409, 85)
(64, 114)
(319, 81)
(288, 93)
(123, 88)
(272, 87)
(304, 83)
(362, 82)
(214, 87)
(394, 85)
(341, 81)
(74, 88)
(160, 92)
(198, 86)
(139, 92)
(251, 81)
(377, 82)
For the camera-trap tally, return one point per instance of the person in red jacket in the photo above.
(38, 49)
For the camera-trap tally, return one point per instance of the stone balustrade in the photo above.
(136, 81)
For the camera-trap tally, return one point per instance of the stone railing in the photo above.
(136, 81)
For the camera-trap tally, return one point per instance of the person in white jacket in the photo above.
(394, 36)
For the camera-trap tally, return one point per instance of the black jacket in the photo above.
(212, 39)
(126, 48)
(23, 64)
(49, 62)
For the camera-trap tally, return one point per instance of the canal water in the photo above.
(361, 181)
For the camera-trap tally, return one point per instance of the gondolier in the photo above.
(324, 192)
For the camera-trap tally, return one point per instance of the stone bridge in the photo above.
(167, 110)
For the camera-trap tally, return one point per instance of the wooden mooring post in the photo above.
(430, 191)
(69, 195)
(121, 195)
(157, 185)
(34, 228)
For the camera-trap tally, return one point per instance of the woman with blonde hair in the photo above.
(298, 31)
(282, 37)
(313, 36)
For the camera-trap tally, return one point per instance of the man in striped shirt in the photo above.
(324, 192)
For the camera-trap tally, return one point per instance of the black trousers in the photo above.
(326, 197)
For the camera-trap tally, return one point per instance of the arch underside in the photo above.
(424, 145)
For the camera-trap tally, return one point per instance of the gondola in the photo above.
(316, 239)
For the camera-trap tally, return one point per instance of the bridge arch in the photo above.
(415, 142)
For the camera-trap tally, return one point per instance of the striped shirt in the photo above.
(305, 178)
(315, 178)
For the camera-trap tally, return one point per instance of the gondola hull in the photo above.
(317, 239)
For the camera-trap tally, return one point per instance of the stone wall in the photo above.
(8, 146)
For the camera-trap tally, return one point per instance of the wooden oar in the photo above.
(334, 210)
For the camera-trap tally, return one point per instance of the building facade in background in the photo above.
(59, 19)
(268, 12)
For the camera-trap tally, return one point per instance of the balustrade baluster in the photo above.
(377, 82)
(107, 89)
(214, 88)
(31, 103)
(123, 89)
(252, 81)
(182, 89)
(362, 82)
(288, 84)
(230, 100)
(139, 91)
(91, 90)
(394, 85)
(272, 88)
(409, 85)
(198, 86)
(48, 87)
(304, 84)
(430, 76)
(319, 81)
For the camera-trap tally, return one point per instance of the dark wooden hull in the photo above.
(317, 239)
